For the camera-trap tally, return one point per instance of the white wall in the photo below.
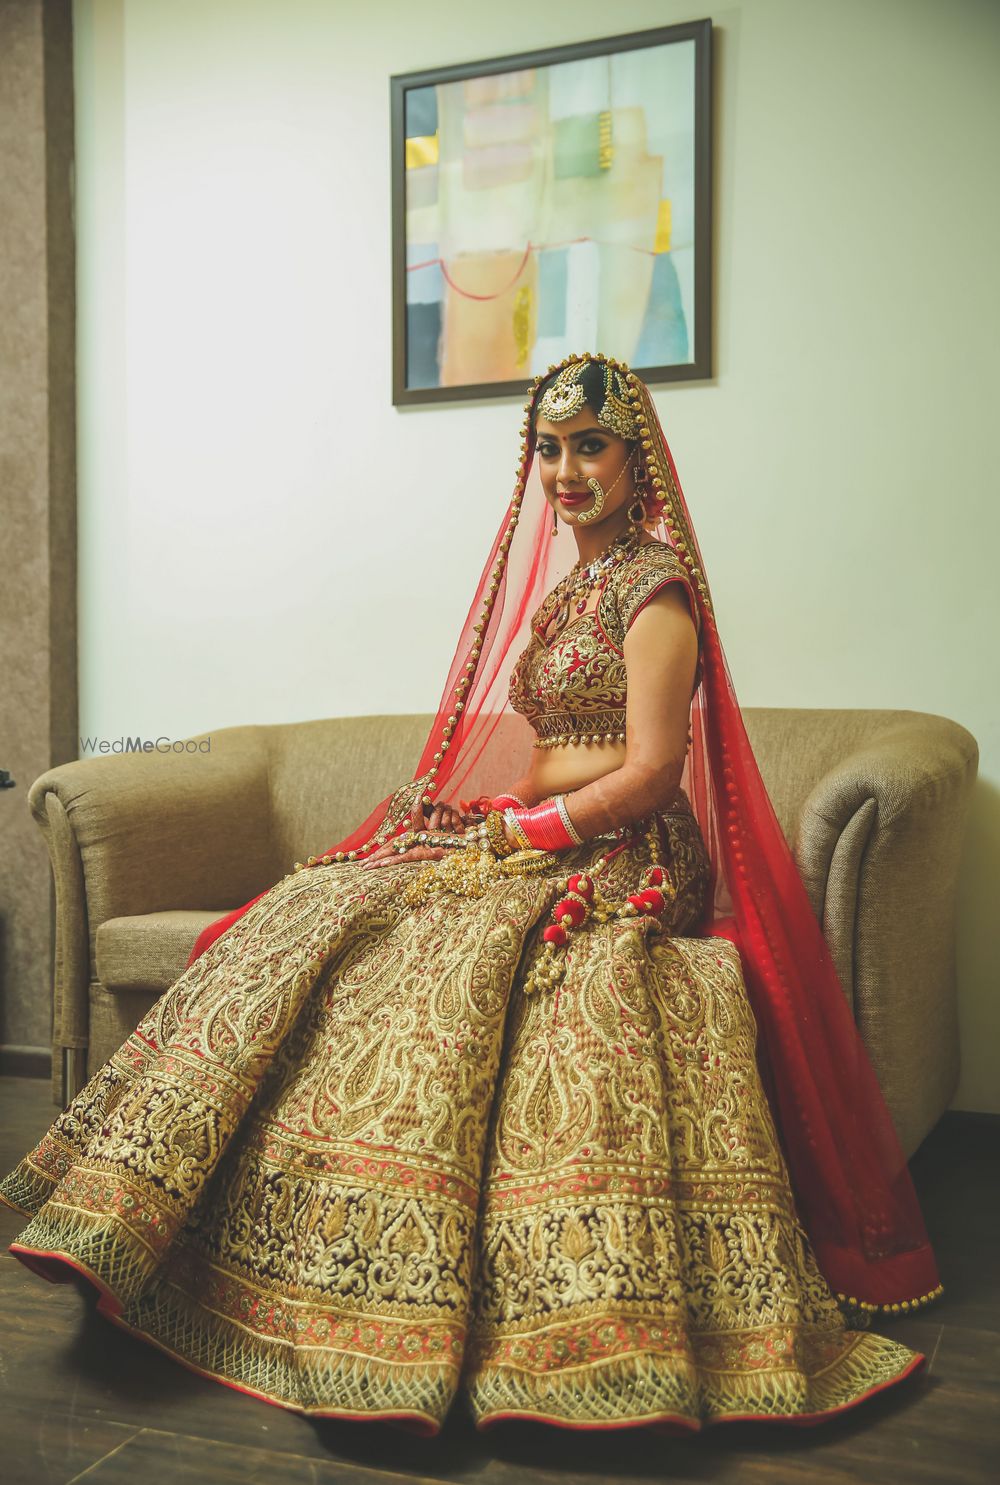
(264, 538)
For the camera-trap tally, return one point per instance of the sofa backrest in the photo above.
(796, 746)
(327, 775)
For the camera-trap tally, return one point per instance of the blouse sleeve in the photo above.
(652, 568)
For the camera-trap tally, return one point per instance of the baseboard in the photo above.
(25, 1062)
(972, 1119)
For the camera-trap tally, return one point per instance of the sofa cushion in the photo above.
(148, 951)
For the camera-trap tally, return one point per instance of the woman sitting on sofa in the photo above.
(539, 1089)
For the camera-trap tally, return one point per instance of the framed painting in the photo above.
(552, 202)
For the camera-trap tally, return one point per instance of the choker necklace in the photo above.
(580, 582)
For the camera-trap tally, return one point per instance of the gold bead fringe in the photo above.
(904, 1306)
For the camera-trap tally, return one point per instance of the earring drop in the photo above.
(637, 510)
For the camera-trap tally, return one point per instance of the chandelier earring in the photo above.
(637, 510)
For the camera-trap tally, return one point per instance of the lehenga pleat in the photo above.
(640, 1255)
(347, 1165)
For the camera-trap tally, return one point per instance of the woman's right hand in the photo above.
(429, 819)
(389, 854)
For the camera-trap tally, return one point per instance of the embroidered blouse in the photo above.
(572, 688)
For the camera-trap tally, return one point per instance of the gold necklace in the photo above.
(580, 581)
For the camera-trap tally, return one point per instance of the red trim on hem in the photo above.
(110, 1306)
(52, 1266)
(672, 1421)
(675, 1424)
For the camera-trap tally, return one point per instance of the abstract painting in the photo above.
(549, 203)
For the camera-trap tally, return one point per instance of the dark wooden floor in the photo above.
(79, 1399)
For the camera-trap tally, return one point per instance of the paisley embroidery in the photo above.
(346, 1165)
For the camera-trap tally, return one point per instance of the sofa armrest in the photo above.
(164, 831)
(878, 847)
(142, 833)
(71, 959)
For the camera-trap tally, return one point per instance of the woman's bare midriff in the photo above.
(571, 766)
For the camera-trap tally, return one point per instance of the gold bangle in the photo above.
(560, 803)
(516, 829)
(496, 835)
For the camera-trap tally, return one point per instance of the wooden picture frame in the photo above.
(529, 221)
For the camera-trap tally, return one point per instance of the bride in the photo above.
(546, 1097)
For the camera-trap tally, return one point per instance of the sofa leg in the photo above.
(57, 1077)
(74, 1065)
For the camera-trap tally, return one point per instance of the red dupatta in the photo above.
(851, 1182)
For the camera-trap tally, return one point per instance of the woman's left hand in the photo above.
(442, 817)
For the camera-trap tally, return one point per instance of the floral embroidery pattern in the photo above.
(574, 686)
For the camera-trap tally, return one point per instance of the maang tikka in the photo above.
(566, 396)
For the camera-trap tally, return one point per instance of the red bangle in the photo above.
(503, 800)
(545, 826)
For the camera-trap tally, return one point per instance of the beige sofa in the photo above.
(147, 848)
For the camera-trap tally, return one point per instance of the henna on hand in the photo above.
(386, 855)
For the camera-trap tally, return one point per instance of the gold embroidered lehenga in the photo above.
(348, 1165)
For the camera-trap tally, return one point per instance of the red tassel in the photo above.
(568, 908)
